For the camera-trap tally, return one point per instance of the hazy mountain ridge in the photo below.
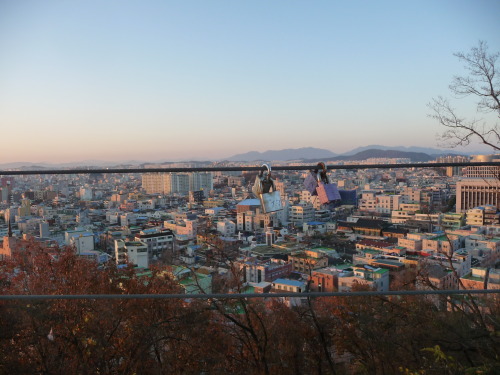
(305, 154)
(374, 153)
(286, 154)
(79, 164)
(360, 153)
(425, 150)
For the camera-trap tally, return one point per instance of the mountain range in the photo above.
(415, 154)
(415, 157)
(287, 154)
(425, 150)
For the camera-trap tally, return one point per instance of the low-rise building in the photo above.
(83, 241)
(476, 279)
(226, 228)
(157, 240)
(308, 260)
(191, 281)
(288, 285)
(373, 278)
(324, 280)
(135, 252)
(255, 271)
(441, 243)
(301, 213)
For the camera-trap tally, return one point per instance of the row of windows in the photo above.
(287, 288)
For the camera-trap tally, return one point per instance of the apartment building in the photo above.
(486, 215)
(452, 221)
(401, 217)
(412, 241)
(255, 271)
(251, 221)
(308, 260)
(368, 201)
(371, 277)
(324, 280)
(203, 181)
(226, 228)
(475, 192)
(386, 203)
(135, 252)
(180, 183)
(301, 213)
(157, 240)
(441, 244)
(185, 227)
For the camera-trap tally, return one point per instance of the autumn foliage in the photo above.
(181, 336)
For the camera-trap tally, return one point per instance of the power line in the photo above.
(246, 295)
(242, 168)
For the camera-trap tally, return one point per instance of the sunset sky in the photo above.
(168, 80)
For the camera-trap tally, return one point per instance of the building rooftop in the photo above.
(249, 202)
(389, 263)
(134, 243)
(295, 283)
(312, 223)
(473, 278)
(371, 251)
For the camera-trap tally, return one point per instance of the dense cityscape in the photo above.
(250, 187)
(192, 233)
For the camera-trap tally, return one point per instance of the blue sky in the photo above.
(151, 80)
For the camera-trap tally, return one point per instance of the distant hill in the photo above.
(374, 153)
(425, 150)
(284, 155)
(309, 154)
(79, 164)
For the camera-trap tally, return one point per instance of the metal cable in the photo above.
(248, 295)
(242, 168)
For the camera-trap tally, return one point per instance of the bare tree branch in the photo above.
(482, 82)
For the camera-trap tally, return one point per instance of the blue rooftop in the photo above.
(289, 282)
(249, 202)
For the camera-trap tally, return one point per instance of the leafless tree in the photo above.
(483, 83)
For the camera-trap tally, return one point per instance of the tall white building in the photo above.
(180, 183)
(177, 183)
(153, 183)
(201, 181)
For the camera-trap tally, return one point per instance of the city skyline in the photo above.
(207, 80)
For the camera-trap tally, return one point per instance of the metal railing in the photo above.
(242, 168)
(219, 296)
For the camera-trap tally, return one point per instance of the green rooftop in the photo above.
(248, 289)
(371, 251)
(323, 249)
